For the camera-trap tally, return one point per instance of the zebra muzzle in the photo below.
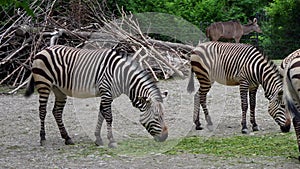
(163, 136)
(287, 125)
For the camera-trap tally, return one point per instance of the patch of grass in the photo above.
(84, 150)
(4, 89)
(270, 145)
(130, 147)
(277, 144)
(145, 146)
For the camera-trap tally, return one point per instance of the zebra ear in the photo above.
(164, 94)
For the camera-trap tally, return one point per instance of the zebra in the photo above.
(105, 73)
(236, 64)
(291, 81)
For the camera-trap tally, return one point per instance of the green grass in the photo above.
(270, 145)
(275, 144)
(4, 89)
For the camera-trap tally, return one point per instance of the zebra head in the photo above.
(279, 113)
(153, 118)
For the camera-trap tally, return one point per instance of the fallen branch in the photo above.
(24, 38)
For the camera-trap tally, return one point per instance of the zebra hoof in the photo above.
(210, 127)
(255, 128)
(244, 131)
(112, 145)
(199, 128)
(43, 142)
(99, 142)
(69, 142)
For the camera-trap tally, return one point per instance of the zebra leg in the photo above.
(43, 99)
(252, 97)
(202, 95)
(99, 141)
(60, 101)
(296, 123)
(196, 118)
(244, 105)
(107, 114)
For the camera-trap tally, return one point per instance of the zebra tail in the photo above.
(191, 87)
(30, 88)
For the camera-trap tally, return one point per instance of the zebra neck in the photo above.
(130, 79)
(271, 84)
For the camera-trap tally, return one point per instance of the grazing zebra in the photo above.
(236, 64)
(95, 73)
(291, 89)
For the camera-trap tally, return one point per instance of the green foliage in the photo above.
(7, 4)
(195, 11)
(282, 30)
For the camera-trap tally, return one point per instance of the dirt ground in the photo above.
(20, 125)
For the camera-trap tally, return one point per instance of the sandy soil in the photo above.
(20, 125)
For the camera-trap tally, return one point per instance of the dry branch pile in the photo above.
(83, 25)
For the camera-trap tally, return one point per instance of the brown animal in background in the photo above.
(231, 30)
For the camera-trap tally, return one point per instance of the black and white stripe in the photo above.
(106, 73)
(287, 60)
(291, 80)
(237, 64)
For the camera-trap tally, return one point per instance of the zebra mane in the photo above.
(156, 94)
(270, 61)
(274, 68)
(272, 64)
(152, 89)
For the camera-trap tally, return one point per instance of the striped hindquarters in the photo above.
(292, 91)
(292, 84)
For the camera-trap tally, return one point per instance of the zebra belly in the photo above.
(232, 83)
(80, 93)
(228, 82)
